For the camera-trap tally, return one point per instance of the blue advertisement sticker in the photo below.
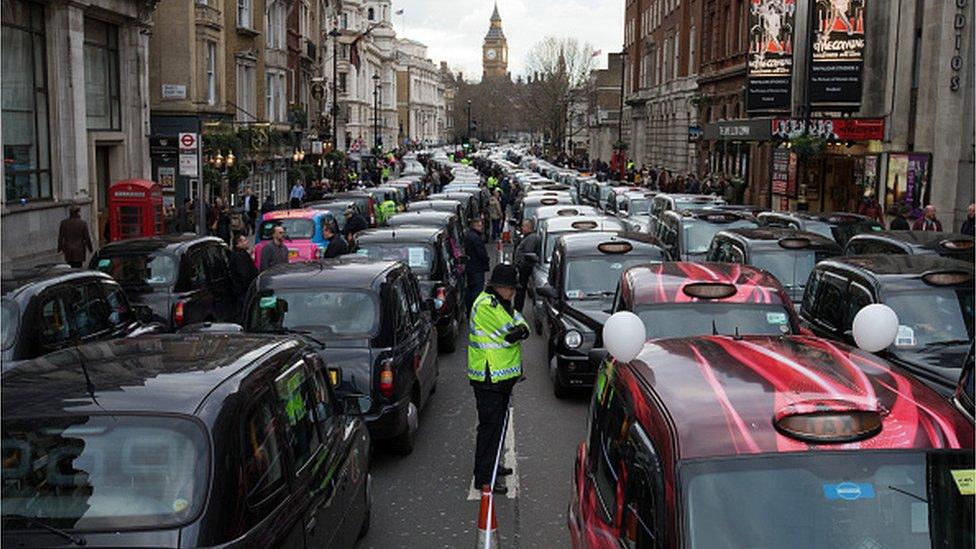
(268, 302)
(849, 491)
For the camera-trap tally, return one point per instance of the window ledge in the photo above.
(14, 207)
(247, 31)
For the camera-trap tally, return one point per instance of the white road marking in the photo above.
(510, 460)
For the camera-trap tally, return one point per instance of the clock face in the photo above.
(491, 53)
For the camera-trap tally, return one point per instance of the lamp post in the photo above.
(376, 110)
(468, 133)
(335, 34)
(621, 156)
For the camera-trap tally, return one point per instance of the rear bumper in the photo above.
(389, 421)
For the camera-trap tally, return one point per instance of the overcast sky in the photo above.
(455, 30)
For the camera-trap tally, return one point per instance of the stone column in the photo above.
(66, 84)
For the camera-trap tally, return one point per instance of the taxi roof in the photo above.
(585, 243)
(774, 234)
(346, 271)
(712, 215)
(923, 239)
(420, 205)
(893, 266)
(663, 283)
(399, 234)
(420, 216)
(169, 243)
(172, 373)
(721, 394)
(565, 223)
(537, 200)
(304, 213)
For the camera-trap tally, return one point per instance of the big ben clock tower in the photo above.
(494, 53)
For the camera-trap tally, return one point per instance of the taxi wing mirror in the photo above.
(547, 292)
(356, 405)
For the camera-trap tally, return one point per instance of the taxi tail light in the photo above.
(178, 317)
(386, 378)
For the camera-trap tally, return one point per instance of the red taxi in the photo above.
(303, 233)
(725, 442)
(687, 299)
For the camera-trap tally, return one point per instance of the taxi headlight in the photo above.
(572, 339)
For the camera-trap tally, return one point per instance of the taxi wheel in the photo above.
(558, 389)
(403, 444)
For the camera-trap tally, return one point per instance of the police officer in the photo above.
(494, 366)
(387, 208)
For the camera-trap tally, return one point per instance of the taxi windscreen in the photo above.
(298, 228)
(855, 499)
(139, 269)
(790, 267)
(700, 318)
(103, 472)
(933, 316)
(598, 276)
(419, 257)
(639, 207)
(697, 235)
(321, 310)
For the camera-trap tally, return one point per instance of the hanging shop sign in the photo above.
(837, 58)
(737, 130)
(781, 170)
(831, 129)
(959, 25)
(770, 55)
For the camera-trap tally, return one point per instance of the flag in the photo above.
(354, 53)
(398, 12)
(596, 53)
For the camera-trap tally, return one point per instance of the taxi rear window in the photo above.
(101, 472)
(419, 257)
(299, 228)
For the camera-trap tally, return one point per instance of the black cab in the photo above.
(54, 306)
(787, 254)
(428, 253)
(687, 234)
(184, 279)
(444, 220)
(663, 202)
(182, 441)
(372, 322)
(583, 275)
(840, 226)
(932, 296)
(954, 245)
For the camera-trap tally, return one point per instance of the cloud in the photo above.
(454, 31)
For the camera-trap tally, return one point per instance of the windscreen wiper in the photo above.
(79, 541)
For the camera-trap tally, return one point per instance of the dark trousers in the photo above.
(524, 275)
(492, 406)
(76, 264)
(496, 228)
(476, 283)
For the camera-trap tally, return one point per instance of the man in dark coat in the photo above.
(478, 261)
(355, 222)
(337, 245)
(900, 223)
(967, 225)
(242, 269)
(73, 238)
(274, 252)
(268, 205)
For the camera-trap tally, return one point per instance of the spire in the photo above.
(494, 14)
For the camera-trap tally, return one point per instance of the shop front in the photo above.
(826, 165)
(739, 149)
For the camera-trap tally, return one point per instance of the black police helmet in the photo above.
(504, 274)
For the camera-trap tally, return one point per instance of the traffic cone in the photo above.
(487, 523)
(506, 236)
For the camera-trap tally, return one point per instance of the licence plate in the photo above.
(334, 378)
(292, 254)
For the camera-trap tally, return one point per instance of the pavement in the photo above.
(427, 500)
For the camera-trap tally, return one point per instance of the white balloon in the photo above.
(624, 335)
(875, 327)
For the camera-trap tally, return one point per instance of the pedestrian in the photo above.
(336, 244)
(268, 205)
(967, 225)
(928, 221)
(494, 367)
(74, 242)
(478, 262)
(355, 222)
(222, 223)
(495, 212)
(184, 217)
(297, 195)
(242, 269)
(900, 222)
(274, 252)
(531, 244)
(868, 205)
(250, 207)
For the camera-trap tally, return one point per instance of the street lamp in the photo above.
(376, 110)
(621, 156)
(468, 133)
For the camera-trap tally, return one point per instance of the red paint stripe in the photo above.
(733, 419)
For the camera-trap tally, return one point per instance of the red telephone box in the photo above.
(135, 208)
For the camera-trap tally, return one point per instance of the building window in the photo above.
(342, 82)
(676, 44)
(274, 84)
(26, 149)
(246, 93)
(102, 105)
(274, 21)
(370, 14)
(211, 64)
(244, 13)
(691, 50)
(304, 20)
